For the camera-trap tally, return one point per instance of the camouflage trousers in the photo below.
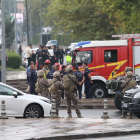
(57, 97)
(71, 96)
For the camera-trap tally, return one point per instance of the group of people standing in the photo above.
(52, 53)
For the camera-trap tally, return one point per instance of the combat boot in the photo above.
(129, 116)
(123, 115)
(79, 115)
(69, 115)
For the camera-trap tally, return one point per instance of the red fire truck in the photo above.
(105, 57)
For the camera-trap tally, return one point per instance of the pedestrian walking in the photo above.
(68, 58)
(42, 85)
(88, 80)
(50, 73)
(66, 50)
(39, 57)
(46, 68)
(55, 90)
(28, 54)
(70, 82)
(61, 55)
(20, 50)
(32, 78)
(81, 79)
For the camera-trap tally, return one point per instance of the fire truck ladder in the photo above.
(126, 35)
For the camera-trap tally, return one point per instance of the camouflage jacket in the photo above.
(44, 84)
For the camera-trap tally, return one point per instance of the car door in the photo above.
(13, 105)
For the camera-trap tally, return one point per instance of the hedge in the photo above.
(14, 60)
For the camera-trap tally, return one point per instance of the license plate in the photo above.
(124, 105)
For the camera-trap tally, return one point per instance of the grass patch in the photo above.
(20, 69)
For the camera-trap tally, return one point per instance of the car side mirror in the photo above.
(15, 94)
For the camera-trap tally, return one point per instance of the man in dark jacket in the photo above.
(66, 50)
(61, 54)
(32, 78)
(39, 57)
(56, 53)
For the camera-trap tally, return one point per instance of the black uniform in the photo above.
(56, 53)
(61, 54)
(33, 58)
(79, 76)
(39, 56)
(87, 83)
(32, 78)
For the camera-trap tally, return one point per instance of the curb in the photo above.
(83, 136)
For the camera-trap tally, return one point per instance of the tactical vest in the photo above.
(53, 88)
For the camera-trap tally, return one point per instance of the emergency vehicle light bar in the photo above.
(126, 35)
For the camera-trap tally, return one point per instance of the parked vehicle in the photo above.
(52, 42)
(105, 57)
(19, 104)
(72, 46)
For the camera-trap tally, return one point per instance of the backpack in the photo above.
(38, 87)
(68, 83)
(52, 88)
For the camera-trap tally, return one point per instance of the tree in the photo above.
(126, 14)
(82, 17)
(9, 31)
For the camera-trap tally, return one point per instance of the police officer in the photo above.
(81, 79)
(32, 78)
(88, 80)
(55, 90)
(39, 57)
(42, 85)
(56, 53)
(50, 73)
(46, 68)
(69, 82)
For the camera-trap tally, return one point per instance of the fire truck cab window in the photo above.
(84, 56)
(110, 56)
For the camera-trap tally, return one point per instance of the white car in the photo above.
(19, 104)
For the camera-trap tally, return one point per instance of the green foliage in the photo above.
(126, 14)
(14, 60)
(9, 31)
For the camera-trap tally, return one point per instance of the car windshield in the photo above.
(84, 56)
(53, 42)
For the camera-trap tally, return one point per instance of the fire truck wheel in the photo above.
(98, 91)
(117, 102)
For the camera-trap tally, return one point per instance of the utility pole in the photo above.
(27, 24)
(15, 26)
(31, 24)
(41, 22)
(20, 25)
(3, 58)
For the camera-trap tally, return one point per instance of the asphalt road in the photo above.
(93, 113)
(128, 137)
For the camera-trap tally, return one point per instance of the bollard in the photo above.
(105, 113)
(53, 109)
(3, 113)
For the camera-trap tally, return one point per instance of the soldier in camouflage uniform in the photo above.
(129, 83)
(42, 85)
(69, 90)
(55, 90)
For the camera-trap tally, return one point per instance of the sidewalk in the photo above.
(65, 129)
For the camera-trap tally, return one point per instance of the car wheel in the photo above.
(32, 111)
(98, 91)
(118, 102)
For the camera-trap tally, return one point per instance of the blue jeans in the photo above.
(87, 89)
(79, 88)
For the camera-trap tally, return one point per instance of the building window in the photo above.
(110, 56)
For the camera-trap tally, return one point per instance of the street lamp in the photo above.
(41, 22)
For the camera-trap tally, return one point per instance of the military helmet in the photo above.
(69, 68)
(56, 74)
(129, 74)
(40, 73)
(128, 69)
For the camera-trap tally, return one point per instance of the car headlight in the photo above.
(47, 101)
(137, 95)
